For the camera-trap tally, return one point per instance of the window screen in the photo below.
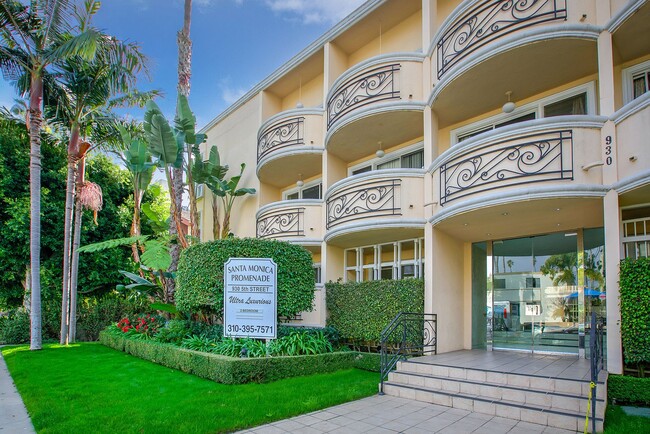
(576, 105)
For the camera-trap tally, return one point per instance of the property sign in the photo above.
(533, 309)
(250, 298)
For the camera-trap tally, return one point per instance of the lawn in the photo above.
(90, 388)
(617, 422)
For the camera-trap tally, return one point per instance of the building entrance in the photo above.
(540, 291)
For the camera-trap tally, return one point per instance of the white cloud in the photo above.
(229, 93)
(315, 11)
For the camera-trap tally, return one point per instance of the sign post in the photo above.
(250, 308)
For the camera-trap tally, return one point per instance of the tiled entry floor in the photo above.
(387, 414)
(539, 365)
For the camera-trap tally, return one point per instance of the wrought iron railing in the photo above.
(490, 20)
(408, 335)
(369, 86)
(368, 200)
(546, 156)
(282, 223)
(596, 356)
(290, 132)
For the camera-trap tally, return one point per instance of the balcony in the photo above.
(486, 48)
(366, 103)
(375, 206)
(633, 146)
(288, 144)
(530, 177)
(295, 220)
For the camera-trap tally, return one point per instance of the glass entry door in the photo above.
(536, 304)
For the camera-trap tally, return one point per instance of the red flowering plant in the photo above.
(143, 326)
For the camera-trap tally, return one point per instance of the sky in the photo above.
(236, 43)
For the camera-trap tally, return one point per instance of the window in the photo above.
(309, 191)
(408, 158)
(199, 190)
(636, 232)
(636, 81)
(577, 101)
(397, 260)
(317, 273)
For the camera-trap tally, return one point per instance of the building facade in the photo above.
(499, 150)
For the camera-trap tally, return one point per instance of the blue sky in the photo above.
(237, 43)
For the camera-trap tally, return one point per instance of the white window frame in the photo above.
(628, 83)
(286, 193)
(373, 163)
(317, 266)
(636, 240)
(536, 107)
(359, 268)
(199, 190)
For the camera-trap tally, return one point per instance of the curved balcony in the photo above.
(375, 206)
(486, 48)
(632, 145)
(291, 220)
(532, 172)
(630, 20)
(288, 144)
(367, 101)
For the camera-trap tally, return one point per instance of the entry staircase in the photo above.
(556, 395)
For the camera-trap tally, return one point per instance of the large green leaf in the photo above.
(185, 119)
(111, 244)
(156, 255)
(135, 278)
(162, 143)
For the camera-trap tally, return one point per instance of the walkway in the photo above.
(13, 415)
(387, 414)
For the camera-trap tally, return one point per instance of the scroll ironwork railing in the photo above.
(282, 223)
(538, 157)
(597, 359)
(369, 86)
(367, 200)
(290, 132)
(490, 20)
(408, 335)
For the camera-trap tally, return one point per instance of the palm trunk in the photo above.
(74, 274)
(194, 213)
(216, 226)
(73, 151)
(135, 223)
(35, 122)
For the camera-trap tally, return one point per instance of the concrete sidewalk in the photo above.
(13, 415)
(388, 414)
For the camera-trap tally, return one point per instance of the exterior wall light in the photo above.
(300, 182)
(380, 153)
(509, 106)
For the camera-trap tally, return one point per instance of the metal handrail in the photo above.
(409, 334)
(597, 361)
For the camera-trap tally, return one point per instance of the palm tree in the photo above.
(88, 90)
(32, 38)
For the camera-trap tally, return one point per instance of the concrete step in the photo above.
(542, 399)
(573, 387)
(507, 408)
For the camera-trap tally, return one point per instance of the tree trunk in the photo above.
(35, 122)
(73, 152)
(135, 223)
(216, 226)
(225, 228)
(27, 301)
(184, 74)
(74, 274)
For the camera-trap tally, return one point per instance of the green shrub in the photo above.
(174, 331)
(635, 309)
(228, 370)
(199, 343)
(361, 310)
(330, 333)
(96, 313)
(368, 361)
(199, 282)
(14, 328)
(628, 390)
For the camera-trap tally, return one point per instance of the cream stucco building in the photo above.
(387, 149)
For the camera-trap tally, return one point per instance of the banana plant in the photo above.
(228, 192)
(207, 172)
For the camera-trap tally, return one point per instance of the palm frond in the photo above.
(83, 45)
(111, 244)
(134, 98)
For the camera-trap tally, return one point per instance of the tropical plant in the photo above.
(200, 343)
(32, 38)
(208, 172)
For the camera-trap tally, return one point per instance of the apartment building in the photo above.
(499, 150)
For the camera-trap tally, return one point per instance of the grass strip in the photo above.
(91, 388)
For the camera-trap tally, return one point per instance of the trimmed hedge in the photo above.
(361, 310)
(232, 370)
(635, 309)
(199, 280)
(628, 390)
